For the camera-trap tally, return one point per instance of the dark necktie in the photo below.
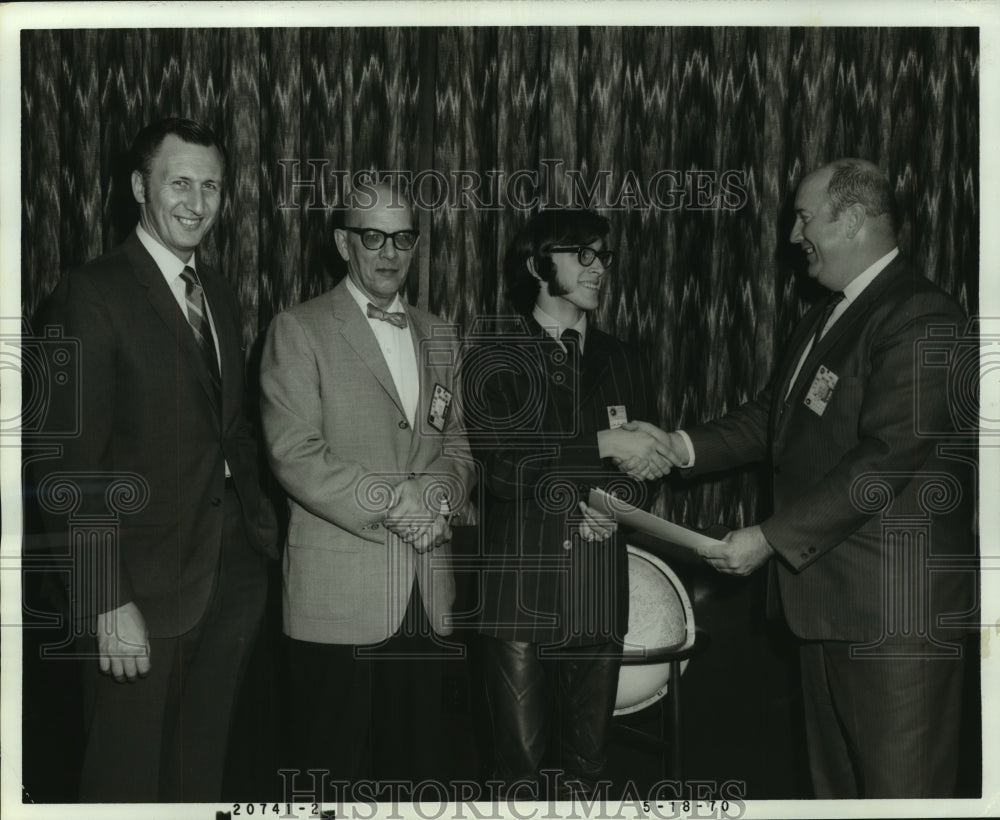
(198, 319)
(574, 353)
(833, 300)
(570, 338)
(831, 305)
(397, 319)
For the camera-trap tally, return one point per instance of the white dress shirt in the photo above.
(398, 351)
(851, 292)
(554, 328)
(171, 267)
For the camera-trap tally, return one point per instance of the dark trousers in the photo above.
(524, 685)
(370, 712)
(163, 737)
(881, 727)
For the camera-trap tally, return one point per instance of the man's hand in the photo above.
(635, 448)
(595, 526)
(407, 504)
(423, 538)
(742, 552)
(123, 643)
(670, 445)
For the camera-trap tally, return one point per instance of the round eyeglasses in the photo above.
(373, 238)
(585, 254)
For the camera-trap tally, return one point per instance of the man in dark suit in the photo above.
(169, 618)
(544, 409)
(864, 494)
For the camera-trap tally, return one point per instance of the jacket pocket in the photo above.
(323, 585)
(318, 534)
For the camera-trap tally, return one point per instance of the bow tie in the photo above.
(397, 319)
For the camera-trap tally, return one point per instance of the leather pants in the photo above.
(526, 683)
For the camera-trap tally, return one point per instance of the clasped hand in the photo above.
(644, 451)
(409, 518)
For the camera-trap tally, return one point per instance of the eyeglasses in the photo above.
(585, 254)
(373, 238)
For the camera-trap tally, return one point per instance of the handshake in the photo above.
(642, 450)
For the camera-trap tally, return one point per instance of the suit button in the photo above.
(812, 550)
(216, 501)
(805, 555)
(403, 425)
(777, 470)
(375, 526)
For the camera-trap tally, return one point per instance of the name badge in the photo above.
(440, 407)
(617, 417)
(821, 390)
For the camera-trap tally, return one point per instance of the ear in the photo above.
(532, 270)
(138, 188)
(854, 219)
(340, 238)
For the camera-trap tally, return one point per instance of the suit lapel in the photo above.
(844, 328)
(165, 305)
(426, 377)
(595, 365)
(230, 349)
(798, 341)
(358, 334)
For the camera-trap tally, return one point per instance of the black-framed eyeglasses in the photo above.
(585, 254)
(373, 238)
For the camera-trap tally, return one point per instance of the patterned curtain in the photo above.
(725, 121)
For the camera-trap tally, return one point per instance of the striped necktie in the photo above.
(197, 315)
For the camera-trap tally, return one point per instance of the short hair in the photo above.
(547, 229)
(148, 141)
(862, 183)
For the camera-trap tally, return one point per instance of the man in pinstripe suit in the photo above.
(545, 424)
(865, 492)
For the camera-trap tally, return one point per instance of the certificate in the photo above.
(629, 515)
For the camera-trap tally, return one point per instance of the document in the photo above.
(629, 515)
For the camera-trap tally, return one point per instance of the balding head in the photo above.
(378, 241)
(845, 220)
(860, 182)
(363, 200)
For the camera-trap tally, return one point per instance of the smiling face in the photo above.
(575, 288)
(824, 239)
(380, 274)
(179, 200)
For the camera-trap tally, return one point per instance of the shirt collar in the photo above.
(554, 328)
(855, 287)
(364, 300)
(170, 266)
